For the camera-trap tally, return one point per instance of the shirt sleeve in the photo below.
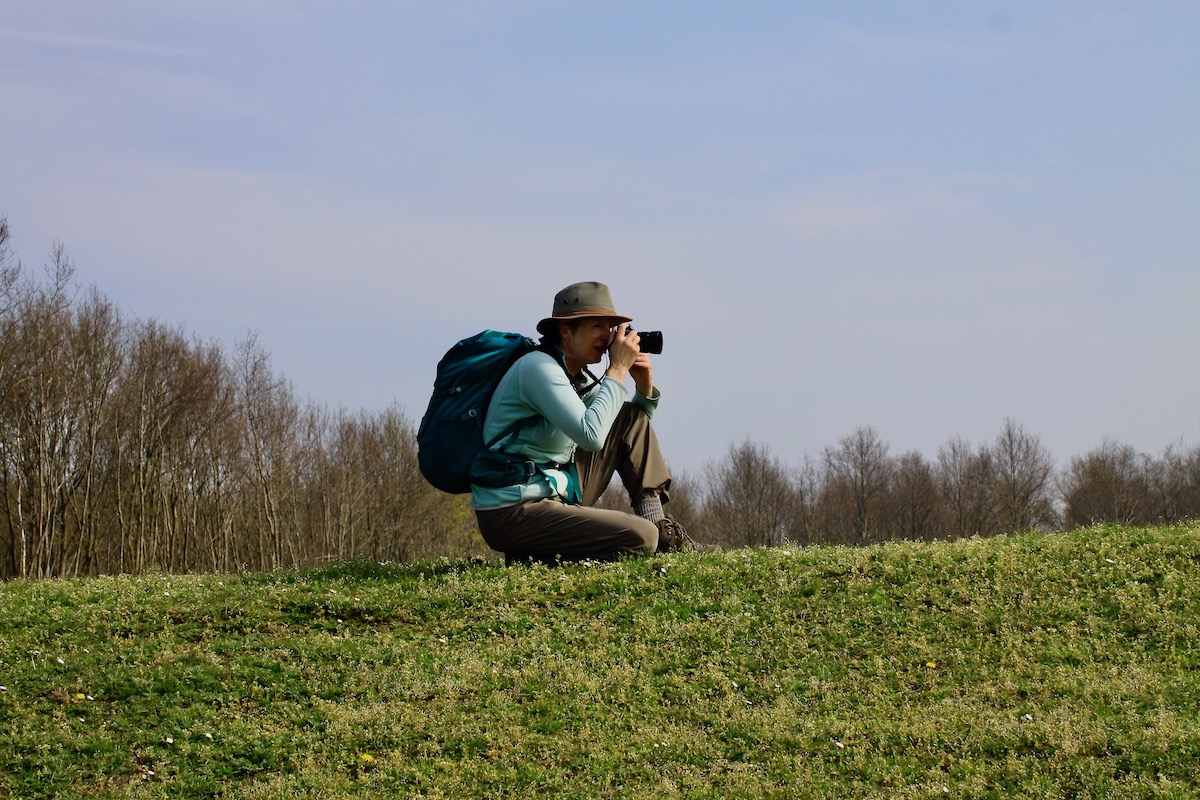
(549, 392)
(647, 404)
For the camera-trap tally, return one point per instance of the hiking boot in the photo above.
(673, 538)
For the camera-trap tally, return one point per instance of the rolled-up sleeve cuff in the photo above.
(647, 404)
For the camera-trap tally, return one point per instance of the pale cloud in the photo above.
(65, 43)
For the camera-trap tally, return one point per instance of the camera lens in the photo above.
(651, 342)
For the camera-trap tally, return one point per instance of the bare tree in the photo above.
(421, 522)
(1190, 464)
(856, 481)
(97, 355)
(966, 479)
(807, 482)
(39, 419)
(217, 436)
(685, 504)
(1174, 484)
(10, 271)
(1024, 469)
(269, 409)
(915, 507)
(1108, 484)
(748, 498)
(168, 413)
(10, 277)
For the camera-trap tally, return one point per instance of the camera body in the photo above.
(650, 341)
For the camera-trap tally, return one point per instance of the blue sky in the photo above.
(920, 216)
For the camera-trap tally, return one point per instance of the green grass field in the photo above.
(1058, 665)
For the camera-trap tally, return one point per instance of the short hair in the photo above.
(554, 336)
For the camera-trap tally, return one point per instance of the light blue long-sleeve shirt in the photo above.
(537, 385)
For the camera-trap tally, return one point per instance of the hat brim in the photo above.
(546, 325)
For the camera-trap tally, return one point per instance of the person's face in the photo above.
(588, 342)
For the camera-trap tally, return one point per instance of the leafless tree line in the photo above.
(857, 493)
(125, 446)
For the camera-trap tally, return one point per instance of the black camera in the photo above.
(650, 341)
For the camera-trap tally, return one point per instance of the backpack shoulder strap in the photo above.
(586, 381)
(512, 429)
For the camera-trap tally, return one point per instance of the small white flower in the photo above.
(839, 744)
(170, 740)
(208, 736)
(59, 660)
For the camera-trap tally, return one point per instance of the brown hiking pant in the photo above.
(552, 529)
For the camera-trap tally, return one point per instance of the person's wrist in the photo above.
(616, 373)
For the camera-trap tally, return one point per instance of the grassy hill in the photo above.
(1063, 665)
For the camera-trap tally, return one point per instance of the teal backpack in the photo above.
(451, 432)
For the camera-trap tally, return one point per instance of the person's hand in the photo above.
(623, 352)
(642, 373)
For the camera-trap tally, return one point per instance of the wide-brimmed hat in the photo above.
(586, 299)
